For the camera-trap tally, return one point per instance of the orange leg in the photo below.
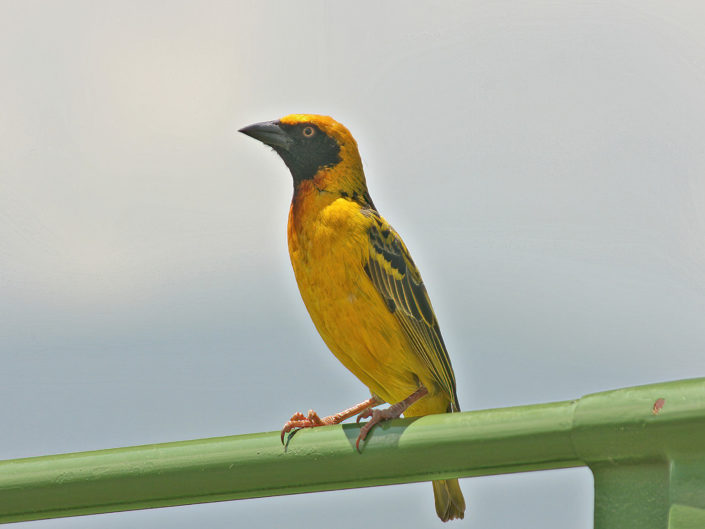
(393, 412)
(299, 420)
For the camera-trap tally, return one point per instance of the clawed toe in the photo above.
(299, 421)
(376, 417)
(364, 415)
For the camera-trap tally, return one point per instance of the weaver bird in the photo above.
(360, 285)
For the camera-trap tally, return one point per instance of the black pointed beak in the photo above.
(269, 133)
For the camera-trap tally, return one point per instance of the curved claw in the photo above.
(289, 437)
(284, 432)
(297, 421)
(291, 428)
(364, 415)
(357, 443)
(377, 416)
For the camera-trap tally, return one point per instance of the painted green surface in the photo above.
(649, 465)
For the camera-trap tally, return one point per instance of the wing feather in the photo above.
(396, 278)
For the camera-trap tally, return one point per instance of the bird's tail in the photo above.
(450, 503)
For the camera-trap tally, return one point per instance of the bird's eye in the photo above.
(308, 132)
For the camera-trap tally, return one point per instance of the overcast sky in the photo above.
(543, 161)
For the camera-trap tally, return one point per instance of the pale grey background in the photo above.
(543, 160)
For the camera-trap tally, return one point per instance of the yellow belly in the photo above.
(328, 255)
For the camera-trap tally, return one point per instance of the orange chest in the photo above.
(329, 247)
(328, 250)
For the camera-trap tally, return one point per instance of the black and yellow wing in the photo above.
(396, 278)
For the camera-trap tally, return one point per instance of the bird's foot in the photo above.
(393, 412)
(299, 420)
(376, 416)
(364, 415)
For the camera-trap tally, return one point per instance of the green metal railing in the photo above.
(645, 446)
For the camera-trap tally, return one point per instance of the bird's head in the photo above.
(316, 149)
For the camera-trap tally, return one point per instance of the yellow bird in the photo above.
(360, 286)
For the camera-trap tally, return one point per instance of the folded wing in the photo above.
(396, 278)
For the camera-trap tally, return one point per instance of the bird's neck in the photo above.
(308, 201)
(313, 195)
